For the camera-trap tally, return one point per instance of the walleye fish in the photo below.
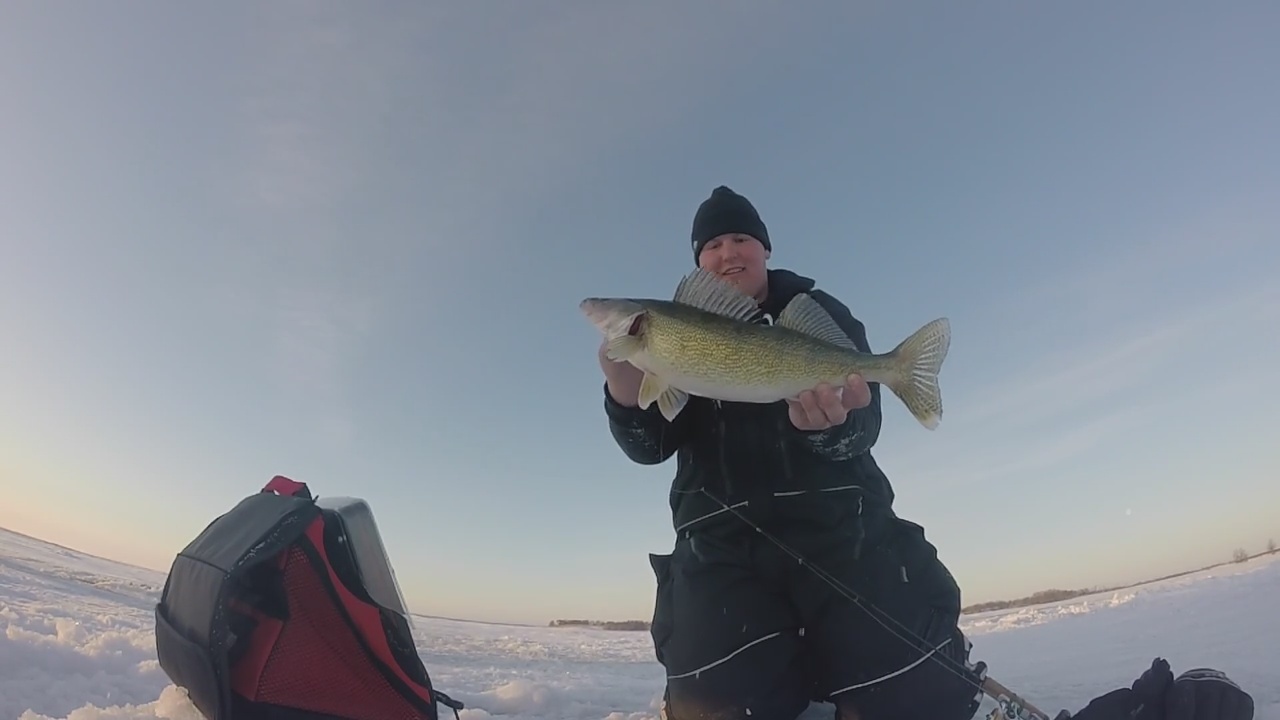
(702, 342)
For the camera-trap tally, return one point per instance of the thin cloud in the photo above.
(1175, 371)
(992, 457)
(1119, 324)
(1190, 248)
(1089, 371)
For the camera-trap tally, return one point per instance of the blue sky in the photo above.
(346, 243)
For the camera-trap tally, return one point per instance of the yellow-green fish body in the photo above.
(703, 343)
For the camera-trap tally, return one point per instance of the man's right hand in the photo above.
(622, 377)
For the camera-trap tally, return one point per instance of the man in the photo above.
(791, 578)
(741, 624)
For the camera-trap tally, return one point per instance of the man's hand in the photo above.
(827, 406)
(623, 378)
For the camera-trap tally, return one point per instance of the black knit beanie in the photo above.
(726, 212)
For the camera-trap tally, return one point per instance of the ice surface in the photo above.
(78, 644)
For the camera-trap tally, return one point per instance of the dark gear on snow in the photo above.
(1204, 694)
(1197, 694)
(286, 608)
(726, 212)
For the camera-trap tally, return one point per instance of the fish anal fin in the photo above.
(705, 290)
(671, 402)
(804, 315)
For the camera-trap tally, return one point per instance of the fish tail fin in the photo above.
(917, 361)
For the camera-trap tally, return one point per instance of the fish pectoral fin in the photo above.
(671, 402)
(804, 315)
(623, 347)
(705, 290)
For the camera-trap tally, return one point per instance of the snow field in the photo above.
(78, 644)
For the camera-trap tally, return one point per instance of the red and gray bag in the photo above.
(286, 608)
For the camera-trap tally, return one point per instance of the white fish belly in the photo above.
(719, 389)
(736, 393)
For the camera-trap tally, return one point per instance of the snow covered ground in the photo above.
(78, 644)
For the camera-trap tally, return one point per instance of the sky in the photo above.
(346, 242)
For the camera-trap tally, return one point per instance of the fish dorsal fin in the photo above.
(804, 315)
(706, 291)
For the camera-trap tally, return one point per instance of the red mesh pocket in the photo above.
(318, 663)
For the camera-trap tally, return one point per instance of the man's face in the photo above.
(739, 259)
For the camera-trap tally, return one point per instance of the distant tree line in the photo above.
(1239, 555)
(1044, 596)
(604, 624)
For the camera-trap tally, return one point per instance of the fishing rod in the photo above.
(1009, 705)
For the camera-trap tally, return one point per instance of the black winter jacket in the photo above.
(753, 459)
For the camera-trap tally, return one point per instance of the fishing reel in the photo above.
(1008, 705)
(1013, 709)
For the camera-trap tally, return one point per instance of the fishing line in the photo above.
(1008, 704)
(923, 647)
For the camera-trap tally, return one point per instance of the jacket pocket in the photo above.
(934, 583)
(661, 626)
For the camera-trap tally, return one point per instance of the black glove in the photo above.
(1200, 694)
(1145, 695)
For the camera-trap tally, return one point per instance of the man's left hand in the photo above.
(827, 405)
